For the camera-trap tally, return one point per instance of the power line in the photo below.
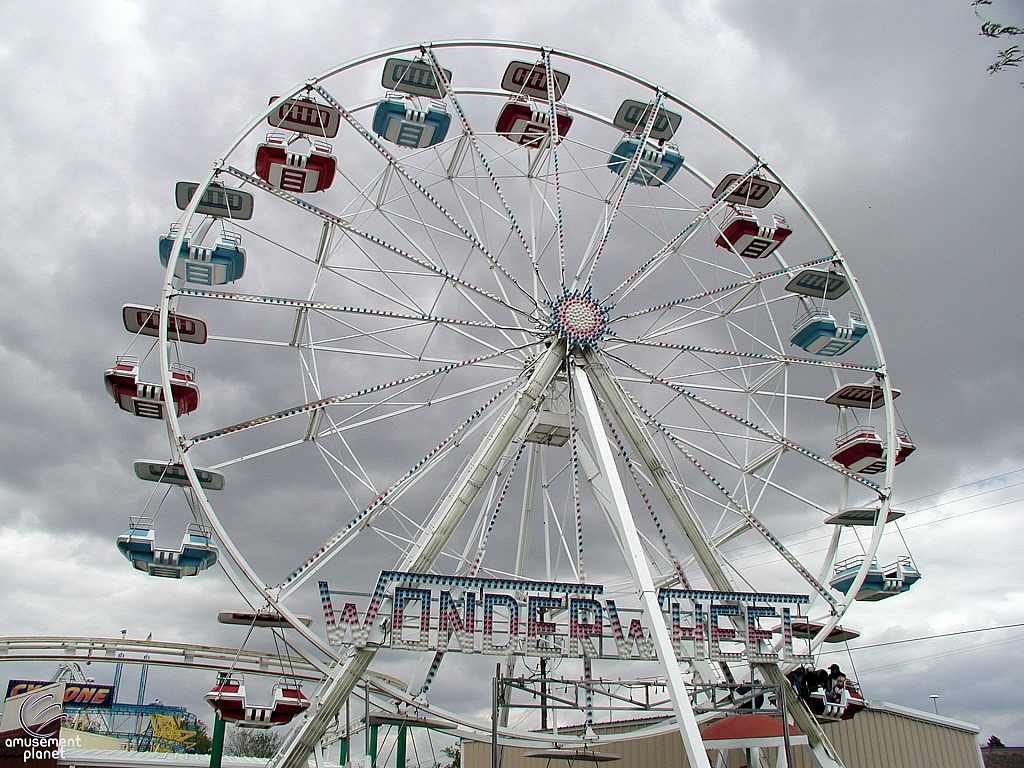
(964, 485)
(761, 549)
(926, 637)
(941, 655)
(815, 529)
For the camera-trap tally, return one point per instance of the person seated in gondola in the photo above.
(837, 682)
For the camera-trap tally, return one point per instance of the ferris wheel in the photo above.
(496, 316)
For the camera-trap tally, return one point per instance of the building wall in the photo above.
(882, 739)
(875, 738)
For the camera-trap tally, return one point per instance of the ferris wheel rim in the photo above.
(169, 293)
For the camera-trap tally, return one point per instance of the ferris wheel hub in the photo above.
(579, 318)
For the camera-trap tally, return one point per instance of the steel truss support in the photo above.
(822, 750)
(344, 677)
(692, 743)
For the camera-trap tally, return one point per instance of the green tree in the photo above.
(247, 742)
(454, 755)
(994, 742)
(203, 742)
(1009, 57)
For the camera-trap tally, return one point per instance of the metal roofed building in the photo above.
(884, 735)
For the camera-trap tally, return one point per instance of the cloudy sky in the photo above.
(882, 116)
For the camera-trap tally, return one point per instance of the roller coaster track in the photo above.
(180, 655)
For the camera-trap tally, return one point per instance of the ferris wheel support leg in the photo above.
(692, 742)
(821, 749)
(699, 541)
(344, 678)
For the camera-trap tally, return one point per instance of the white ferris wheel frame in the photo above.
(590, 374)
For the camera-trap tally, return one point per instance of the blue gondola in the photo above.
(138, 544)
(818, 333)
(658, 164)
(880, 583)
(224, 263)
(407, 127)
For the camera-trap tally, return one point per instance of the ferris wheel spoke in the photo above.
(710, 313)
(739, 285)
(538, 280)
(382, 501)
(786, 359)
(329, 401)
(682, 510)
(635, 474)
(333, 308)
(399, 168)
(380, 337)
(549, 82)
(358, 477)
(754, 523)
(621, 184)
(442, 78)
(351, 230)
(677, 242)
(400, 408)
(391, 219)
(780, 439)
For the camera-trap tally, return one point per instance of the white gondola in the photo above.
(880, 582)
(755, 192)
(174, 474)
(303, 115)
(217, 201)
(632, 117)
(806, 630)
(264, 618)
(819, 284)
(138, 544)
(146, 322)
(861, 516)
(869, 395)
(526, 79)
(413, 77)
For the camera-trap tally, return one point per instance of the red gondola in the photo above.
(312, 171)
(526, 122)
(146, 400)
(862, 450)
(745, 235)
(228, 698)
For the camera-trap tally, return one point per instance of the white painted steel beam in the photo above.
(824, 753)
(648, 594)
(345, 676)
